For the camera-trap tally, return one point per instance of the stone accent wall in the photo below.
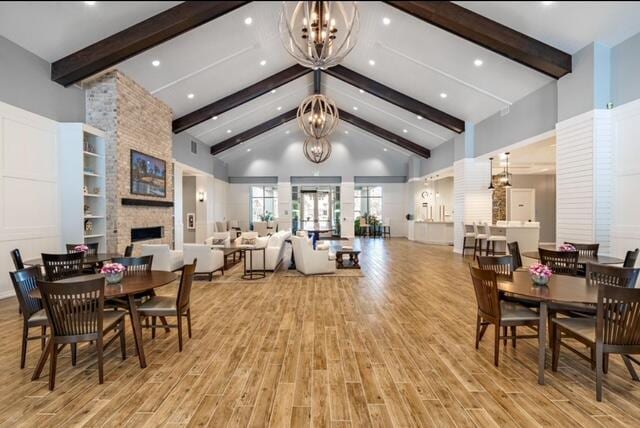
(499, 199)
(132, 119)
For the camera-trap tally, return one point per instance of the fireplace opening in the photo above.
(146, 233)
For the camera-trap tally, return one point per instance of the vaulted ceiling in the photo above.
(395, 49)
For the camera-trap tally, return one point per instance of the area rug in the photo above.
(349, 273)
(234, 274)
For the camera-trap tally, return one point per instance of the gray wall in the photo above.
(532, 115)
(625, 71)
(545, 186)
(441, 157)
(188, 206)
(220, 170)
(182, 152)
(25, 82)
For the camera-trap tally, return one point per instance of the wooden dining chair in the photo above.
(501, 265)
(128, 252)
(560, 262)
(76, 311)
(16, 257)
(614, 330)
(61, 266)
(92, 251)
(33, 314)
(585, 250)
(500, 313)
(135, 264)
(514, 250)
(169, 306)
(630, 258)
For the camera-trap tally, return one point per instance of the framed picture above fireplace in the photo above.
(148, 175)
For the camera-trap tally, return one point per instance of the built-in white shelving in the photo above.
(82, 170)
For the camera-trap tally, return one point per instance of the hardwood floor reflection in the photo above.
(392, 348)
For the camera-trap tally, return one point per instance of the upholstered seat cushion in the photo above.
(159, 306)
(512, 311)
(497, 238)
(38, 318)
(585, 327)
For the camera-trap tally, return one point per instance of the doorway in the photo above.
(316, 208)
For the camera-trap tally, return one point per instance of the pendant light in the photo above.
(491, 187)
(506, 175)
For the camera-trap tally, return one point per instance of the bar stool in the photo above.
(496, 234)
(480, 235)
(469, 233)
(386, 229)
(364, 227)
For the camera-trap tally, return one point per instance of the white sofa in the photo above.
(248, 235)
(217, 236)
(209, 259)
(310, 261)
(273, 253)
(163, 257)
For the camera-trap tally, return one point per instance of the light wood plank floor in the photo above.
(392, 348)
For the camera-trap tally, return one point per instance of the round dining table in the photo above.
(89, 259)
(603, 260)
(131, 284)
(560, 289)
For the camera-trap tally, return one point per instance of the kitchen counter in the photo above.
(431, 232)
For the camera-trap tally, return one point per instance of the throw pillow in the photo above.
(248, 241)
(219, 241)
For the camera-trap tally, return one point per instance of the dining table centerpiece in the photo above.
(81, 248)
(113, 272)
(540, 274)
(567, 248)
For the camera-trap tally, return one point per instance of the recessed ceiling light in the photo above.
(228, 131)
(248, 150)
(248, 20)
(405, 131)
(443, 95)
(386, 21)
(346, 132)
(419, 117)
(279, 108)
(355, 108)
(215, 117)
(263, 62)
(477, 62)
(372, 62)
(92, 3)
(544, 3)
(362, 91)
(385, 149)
(155, 63)
(273, 91)
(190, 96)
(287, 132)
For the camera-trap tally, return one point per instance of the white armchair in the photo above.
(163, 257)
(219, 236)
(310, 261)
(209, 259)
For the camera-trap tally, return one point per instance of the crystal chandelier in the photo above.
(319, 34)
(317, 116)
(317, 150)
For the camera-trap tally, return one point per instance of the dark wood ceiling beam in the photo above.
(384, 134)
(138, 38)
(216, 108)
(490, 34)
(394, 97)
(253, 132)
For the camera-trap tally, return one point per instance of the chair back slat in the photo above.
(501, 265)
(17, 259)
(61, 266)
(486, 289)
(184, 291)
(560, 262)
(24, 281)
(614, 276)
(92, 251)
(618, 316)
(74, 308)
(630, 258)
(514, 250)
(135, 264)
(586, 250)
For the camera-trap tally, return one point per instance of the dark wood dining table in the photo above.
(130, 285)
(560, 289)
(603, 260)
(89, 259)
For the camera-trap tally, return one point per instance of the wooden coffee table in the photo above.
(352, 250)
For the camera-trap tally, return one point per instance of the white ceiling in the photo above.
(535, 158)
(566, 25)
(417, 59)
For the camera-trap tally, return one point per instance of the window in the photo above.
(264, 203)
(368, 200)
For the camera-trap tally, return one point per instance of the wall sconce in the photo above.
(202, 196)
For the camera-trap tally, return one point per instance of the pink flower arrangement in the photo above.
(540, 270)
(112, 268)
(567, 247)
(81, 248)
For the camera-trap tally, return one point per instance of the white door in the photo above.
(521, 204)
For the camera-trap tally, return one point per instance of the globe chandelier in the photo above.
(317, 150)
(319, 34)
(317, 116)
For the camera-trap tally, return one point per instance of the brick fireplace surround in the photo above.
(132, 119)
